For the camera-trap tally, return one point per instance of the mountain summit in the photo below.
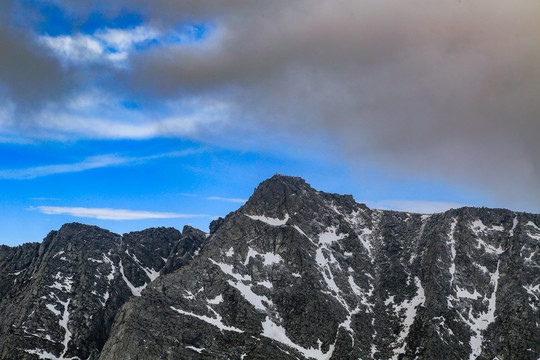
(295, 273)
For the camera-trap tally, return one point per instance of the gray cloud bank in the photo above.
(27, 75)
(447, 90)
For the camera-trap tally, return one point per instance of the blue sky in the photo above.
(193, 182)
(128, 117)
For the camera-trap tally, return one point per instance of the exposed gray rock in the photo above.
(13, 262)
(298, 273)
(295, 273)
(59, 298)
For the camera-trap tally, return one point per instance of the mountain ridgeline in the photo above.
(295, 273)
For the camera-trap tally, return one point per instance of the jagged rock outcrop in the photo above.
(13, 261)
(295, 273)
(59, 298)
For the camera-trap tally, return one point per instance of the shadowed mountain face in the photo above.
(59, 298)
(295, 273)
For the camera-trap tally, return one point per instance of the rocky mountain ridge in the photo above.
(295, 273)
(59, 298)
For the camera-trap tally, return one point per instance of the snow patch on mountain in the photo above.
(270, 221)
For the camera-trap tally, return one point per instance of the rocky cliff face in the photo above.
(58, 299)
(295, 273)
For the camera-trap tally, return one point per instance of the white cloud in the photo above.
(113, 45)
(126, 39)
(112, 129)
(76, 48)
(97, 115)
(415, 206)
(93, 162)
(111, 214)
(235, 200)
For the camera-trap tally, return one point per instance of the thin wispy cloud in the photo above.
(415, 206)
(80, 118)
(111, 214)
(219, 198)
(93, 162)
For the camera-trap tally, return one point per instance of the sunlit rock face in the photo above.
(295, 273)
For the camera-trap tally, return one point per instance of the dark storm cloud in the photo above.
(448, 89)
(28, 74)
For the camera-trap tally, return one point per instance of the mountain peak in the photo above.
(275, 193)
(280, 180)
(282, 185)
(298, 273)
